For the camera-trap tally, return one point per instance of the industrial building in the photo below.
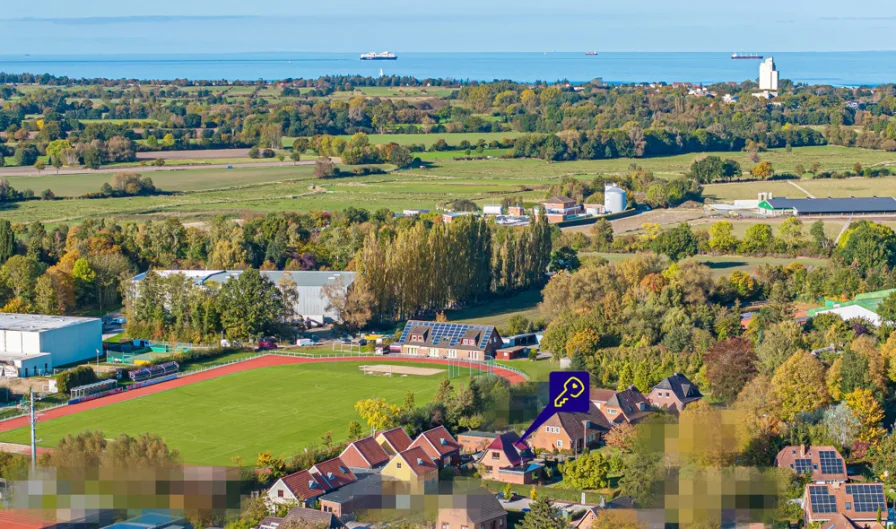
(312, 303)
(831, 207)
(768, 75)
(614, 199)
(32, 344)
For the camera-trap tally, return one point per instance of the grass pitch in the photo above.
(282, 409)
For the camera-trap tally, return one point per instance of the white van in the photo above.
(304, 342)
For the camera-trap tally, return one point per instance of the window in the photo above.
(280, 493)
(445, 526)
(467, 341)
(398, 465)
(560, 443)
(452, 353)
(848, 506)
(501, 522)
(496, 455)
(464, 527)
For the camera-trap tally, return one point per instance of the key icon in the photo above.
(572, 388)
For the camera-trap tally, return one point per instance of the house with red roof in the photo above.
(364, 453)
(414, 469)
(439, 445)
(509, 459)
(394, 441)
(305, 486)
(626, 406)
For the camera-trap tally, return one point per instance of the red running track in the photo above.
(255, 363)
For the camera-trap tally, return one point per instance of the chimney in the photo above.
(802, 450)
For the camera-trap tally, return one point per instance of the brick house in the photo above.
(626, 406)
(858, 503)
(449, 340)
(394, 441)
(570, 432)
(413, 468)
(473, 441)
(439, 445)
(324, 520)
(508, 459)
(364, 453)
(335, 472)
(364, 494)
(474, 511)
(556, 209)
(302, 487)
(824, 463)
(674, 393)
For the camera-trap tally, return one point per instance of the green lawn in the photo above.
(497, 312)
(452, 138)
(282, 409)
(723, 265)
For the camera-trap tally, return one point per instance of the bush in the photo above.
(73, 378)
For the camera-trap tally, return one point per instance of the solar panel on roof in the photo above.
(820, 501)
(830, 463)
(803, 466)
(867, 498)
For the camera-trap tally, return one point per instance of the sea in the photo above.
(834, 68)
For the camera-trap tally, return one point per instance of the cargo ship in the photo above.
(590, 53)
(746, 56)
(373, 56)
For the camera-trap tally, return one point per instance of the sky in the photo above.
(235, 26)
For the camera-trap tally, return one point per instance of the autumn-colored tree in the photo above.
(378, 413)
(833, 380)
(868, 411)
(762, 171)
(799, 384)
(623, 437)
(730, 364)
(759, 408)
(585, 341)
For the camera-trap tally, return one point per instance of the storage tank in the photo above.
(614, 199)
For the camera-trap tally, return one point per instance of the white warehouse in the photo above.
(33, 344)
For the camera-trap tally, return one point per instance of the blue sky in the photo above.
(230, 26)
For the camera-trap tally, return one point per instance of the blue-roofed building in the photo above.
(449, 340)
(153, 520)
(831, 207)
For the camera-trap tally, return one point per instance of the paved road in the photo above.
(32, 172)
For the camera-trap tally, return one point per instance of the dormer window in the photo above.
(468, 341)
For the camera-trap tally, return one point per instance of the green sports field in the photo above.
(282, 409)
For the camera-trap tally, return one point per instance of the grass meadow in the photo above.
(282, 409)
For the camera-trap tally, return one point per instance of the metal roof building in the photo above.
(312, 303)
(851, 206)
(32, 344)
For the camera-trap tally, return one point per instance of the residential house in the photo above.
(302, 488)
(473, 441)
(509, 459)
(394, 440)
(674, 393)
(335, 472)
(367, 493)
(439, 445)
(623, 507)
(858, 503)
(364, 453)
(415, 469)
(474, 511)
(627, 406)
(824, 463)
(449, 340)
(570, 432)
(324, 520)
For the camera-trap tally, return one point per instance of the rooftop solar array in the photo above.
(821, 501)
(447, 334)
(830, 462)
(867, 498)
(803, 465)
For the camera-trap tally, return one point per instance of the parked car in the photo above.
(120, 321)
(266, 344)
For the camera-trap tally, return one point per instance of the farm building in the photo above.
(32, 344)
(862, 306)
(830, 207)
(449, 340)
(312, 303)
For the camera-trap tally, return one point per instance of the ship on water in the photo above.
(590, 53)
(747, 56)
(373, 56)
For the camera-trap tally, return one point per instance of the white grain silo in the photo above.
(614, 199)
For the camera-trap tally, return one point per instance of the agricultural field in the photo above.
(286, 408)
(723, 265)
(452, 138)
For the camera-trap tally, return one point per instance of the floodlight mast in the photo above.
(33, 433)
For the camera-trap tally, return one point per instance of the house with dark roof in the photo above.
(509, 459)
(859, 503)
(322, 519)
(449, 340)
(364, 453)
(367, 493)
(558, 208)
(415, 469)
(439, 445)
(828, 207)
(824, 463)
(570, 432)
(472, 511)
(674, 393)
(394, 440)
(626, 406)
